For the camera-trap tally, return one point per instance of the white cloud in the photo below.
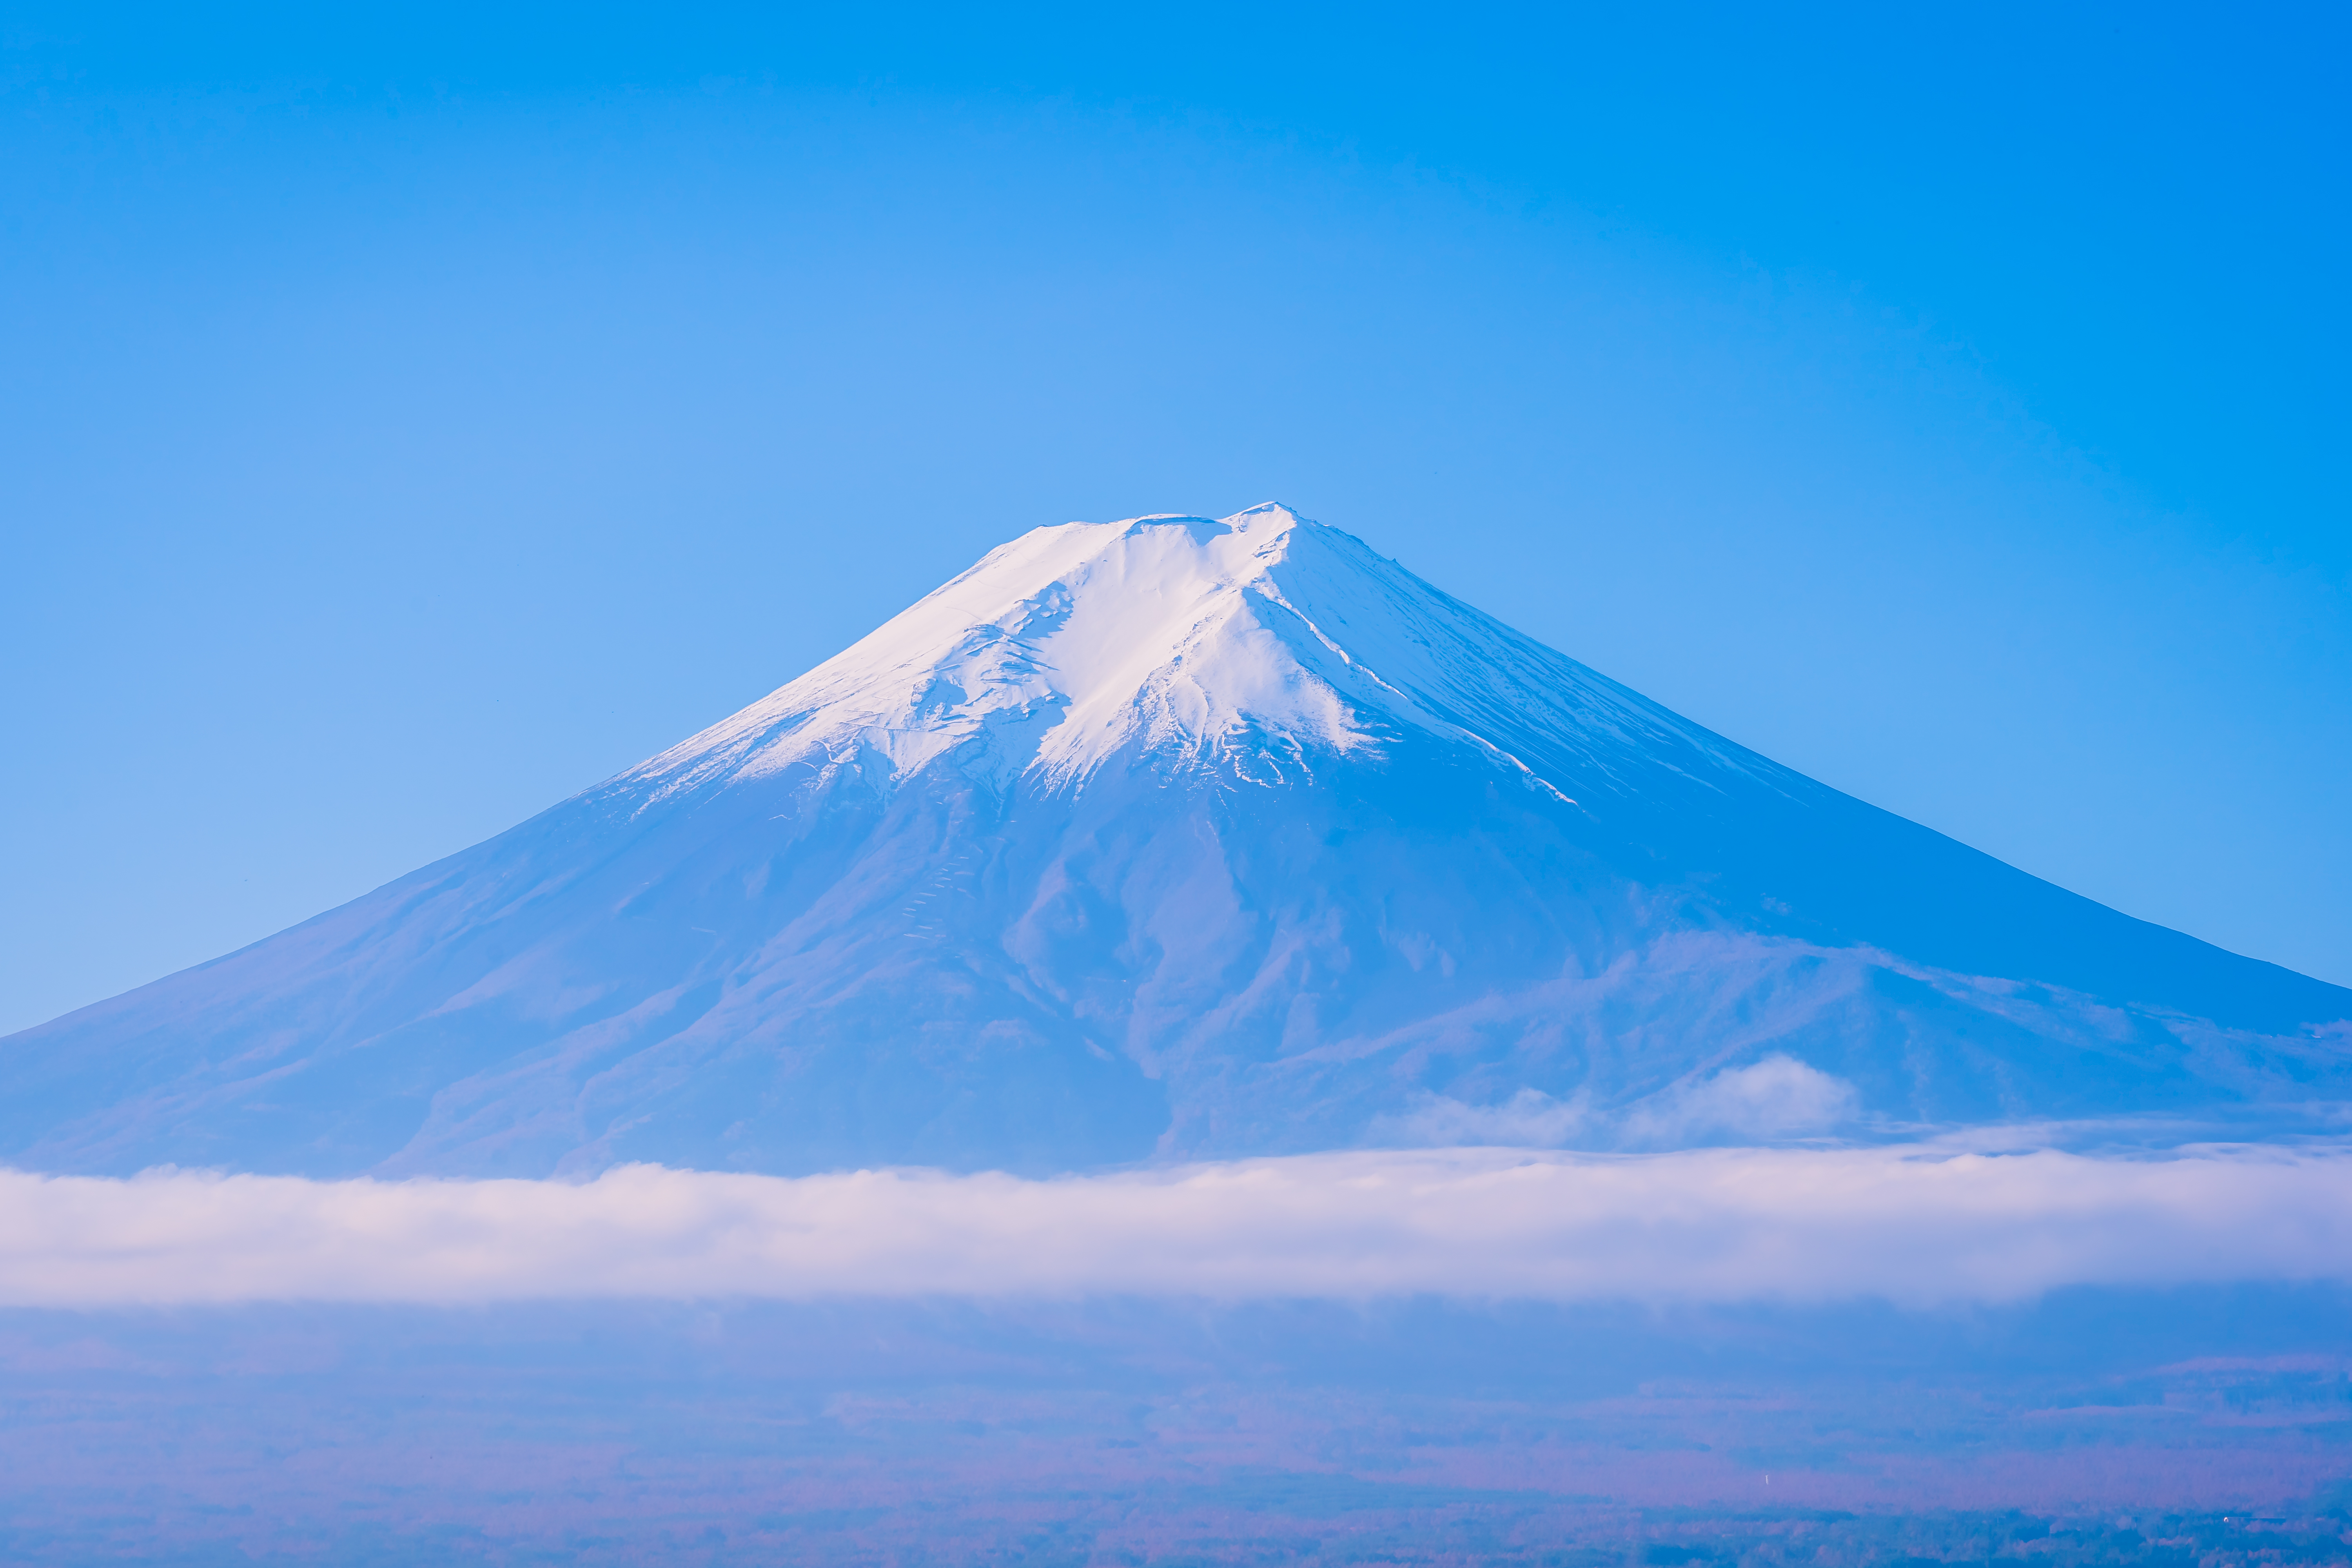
(1776, 1097)
(1528, 1119)
(1911, 1223)
(1779, 1097)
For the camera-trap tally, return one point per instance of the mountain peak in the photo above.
(1211, 640)
(1243, 646)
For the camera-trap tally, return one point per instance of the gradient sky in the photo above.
(410, 418)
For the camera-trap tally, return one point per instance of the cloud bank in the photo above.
(1779, 1097)
(1915, 1225)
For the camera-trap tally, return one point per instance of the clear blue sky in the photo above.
(411, 418)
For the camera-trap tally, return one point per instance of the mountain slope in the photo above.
(1163, 839)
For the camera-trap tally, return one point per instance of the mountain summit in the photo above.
(1243, 646)
(1172, 839)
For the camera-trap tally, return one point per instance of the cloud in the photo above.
(1779, 1097)
(1915, 1225)
(1528, 1119)
(1776, 1097)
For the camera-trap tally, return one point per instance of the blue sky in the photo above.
(412, 418)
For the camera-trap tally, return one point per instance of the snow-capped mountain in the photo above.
(1175, 839)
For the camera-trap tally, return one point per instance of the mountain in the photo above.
(1178, 838)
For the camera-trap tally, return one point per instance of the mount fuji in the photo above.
(1170, 839)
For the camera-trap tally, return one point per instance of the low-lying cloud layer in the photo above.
(1914, 1225)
